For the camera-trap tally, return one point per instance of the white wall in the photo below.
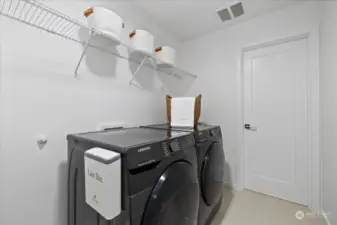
(216, 59)
(40, 96)
(329, 99)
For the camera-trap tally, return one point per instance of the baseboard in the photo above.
(326, 217)
(228, 184)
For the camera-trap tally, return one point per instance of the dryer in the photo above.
(211, 167)
(159, 177)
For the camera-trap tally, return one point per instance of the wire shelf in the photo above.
(38, 15)
(35, 14)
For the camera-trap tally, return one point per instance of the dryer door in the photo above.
(175, 198)
(212, 174)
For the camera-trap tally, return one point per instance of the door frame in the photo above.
(314, 94)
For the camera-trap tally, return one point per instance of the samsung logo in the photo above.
(144, 149)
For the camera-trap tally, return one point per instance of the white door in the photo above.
(276, 146)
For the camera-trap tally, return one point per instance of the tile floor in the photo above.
(251, 208)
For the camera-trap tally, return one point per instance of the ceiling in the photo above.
(187, 19)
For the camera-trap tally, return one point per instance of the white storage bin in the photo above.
(105, 21)
(166, 56)
(103, 181)
(142, 40)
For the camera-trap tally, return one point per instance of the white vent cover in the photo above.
(233, 10)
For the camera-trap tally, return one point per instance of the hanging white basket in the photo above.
(105, 21)
(143, 41)
(166, 56)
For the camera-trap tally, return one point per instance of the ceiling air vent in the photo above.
(233, 10)
(224, 15)
(237, 9)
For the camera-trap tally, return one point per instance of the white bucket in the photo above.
(105, 21)
(166, 56)
(142, 40)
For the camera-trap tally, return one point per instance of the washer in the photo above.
(159, 177)
(211, 167)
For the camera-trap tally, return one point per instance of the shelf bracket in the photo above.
(137, 70)
(83, 53)
(172, 75)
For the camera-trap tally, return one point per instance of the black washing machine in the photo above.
(211, 166)
(160, 183)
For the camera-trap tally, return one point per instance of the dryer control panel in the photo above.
(213, 134)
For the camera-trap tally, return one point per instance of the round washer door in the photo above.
(212, 174)
(175, 198)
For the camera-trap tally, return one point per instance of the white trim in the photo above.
(314, 115)
(326, 217)
(315, 122)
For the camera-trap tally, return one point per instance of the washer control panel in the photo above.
(174, 146)
(145, 155)
(171, 147)
(166, 149)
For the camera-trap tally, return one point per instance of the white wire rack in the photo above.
(35, 14)
(38, 15)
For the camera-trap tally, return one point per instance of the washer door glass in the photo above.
(212, 174)
(175, 198)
